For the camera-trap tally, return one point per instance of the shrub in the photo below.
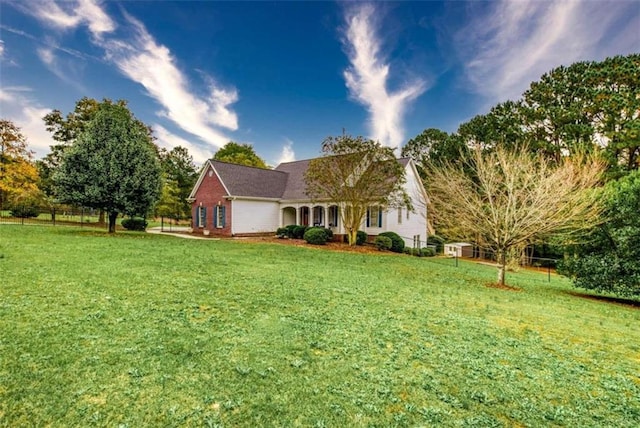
(329, 233)
(428, 252)
(315, 236)
(282, 232)
(407, 250)
(361, 237)
(438, 241)
(397, 242)
(134, 223)
(290, 228)
(298, 232)
(24, 211)
(382, 243)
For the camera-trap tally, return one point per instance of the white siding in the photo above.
(254, 216)
(417, 222)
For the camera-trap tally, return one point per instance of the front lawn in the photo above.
(148, 330)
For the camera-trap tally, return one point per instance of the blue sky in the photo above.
(282, 76)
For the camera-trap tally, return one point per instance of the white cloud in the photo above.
(27, 115)
(143, 60)
(1, 49)
(97, 20)
(46, 56)
(509, 44)
(368, 75)
(153, 66)
(287, 154)
(168, 140)
(72, 15)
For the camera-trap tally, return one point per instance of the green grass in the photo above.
(147, 330)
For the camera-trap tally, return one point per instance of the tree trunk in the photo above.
(101, 217)
(113, 216)
(352, 237)
(502, 263)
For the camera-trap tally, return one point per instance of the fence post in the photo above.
(549, 272)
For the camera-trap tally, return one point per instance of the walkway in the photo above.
(178, 231)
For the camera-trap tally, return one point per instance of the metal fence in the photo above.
(544, 265)
(70, 216)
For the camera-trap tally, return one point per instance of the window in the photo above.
(219, 216)
(408, 214)
(374, 216)
(202, 216)
(399, 215)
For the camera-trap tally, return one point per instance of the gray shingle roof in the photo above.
(286, 181)
(248, 181)
(295, 183)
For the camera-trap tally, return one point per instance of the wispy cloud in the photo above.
(140, 58)
(154, 67)
(1, 49)
(27, 114)
(169, 140)
(69, 15)
(368, 76)
(287, 154)
(508, 44)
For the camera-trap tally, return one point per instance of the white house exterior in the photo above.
(237, 200)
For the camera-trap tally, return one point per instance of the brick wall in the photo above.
(209, 194)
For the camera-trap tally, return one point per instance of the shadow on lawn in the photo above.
(630, 303)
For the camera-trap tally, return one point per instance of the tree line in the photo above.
(559, 166)
(103, 158)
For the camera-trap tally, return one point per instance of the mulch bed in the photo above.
(331, 246)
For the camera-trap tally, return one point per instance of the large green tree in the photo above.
(609, 261)
(241, 154)
(112, 165)
(179, 175)
(586, 105)
(356, 173)
(425, 148)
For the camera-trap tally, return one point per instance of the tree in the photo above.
(18, 175)
(356, 173)
(587, 105)
(514, 198)
(610, 259)
(241, 154)
(66, 130)
(423, 146)
(616, 111)
(179, 176)
(170, 204)
(112, 166)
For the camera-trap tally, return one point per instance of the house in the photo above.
(237, 200)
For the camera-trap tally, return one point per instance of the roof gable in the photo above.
(245, 181)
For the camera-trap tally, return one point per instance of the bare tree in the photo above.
(356, 173)
(509, 198)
